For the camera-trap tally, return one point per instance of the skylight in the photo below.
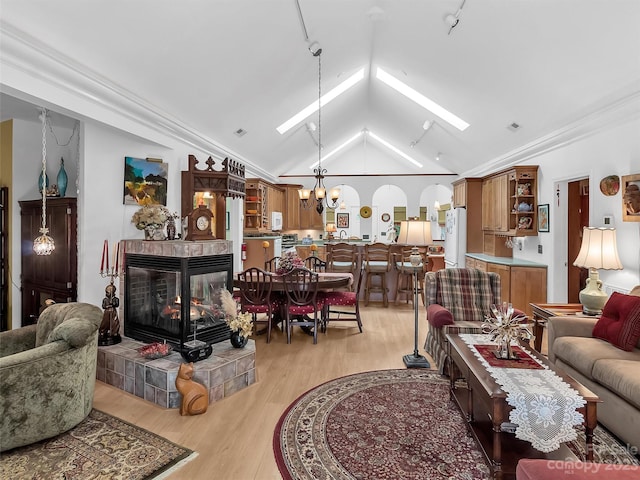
(325, 99)
(421, 100)
(394, 149)
(337, 149)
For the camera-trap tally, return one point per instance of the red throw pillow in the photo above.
(439, 316)
(620, 321)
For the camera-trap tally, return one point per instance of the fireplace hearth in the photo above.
(172, 294)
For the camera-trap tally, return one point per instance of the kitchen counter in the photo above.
(508, 261)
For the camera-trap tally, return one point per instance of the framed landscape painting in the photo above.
(145, 181)
(543, 218)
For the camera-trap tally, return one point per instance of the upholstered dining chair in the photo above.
(255, 290)
(272, 264)
(301, 289)
(458, 299)
(336, 301)
(315, 264)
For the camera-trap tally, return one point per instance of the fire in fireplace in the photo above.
(177, 300)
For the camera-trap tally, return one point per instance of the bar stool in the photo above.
(377, 265)
(404, 283)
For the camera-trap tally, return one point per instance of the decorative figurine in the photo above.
(109, 331)
(195, 398)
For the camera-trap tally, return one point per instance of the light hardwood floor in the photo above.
(234, 437)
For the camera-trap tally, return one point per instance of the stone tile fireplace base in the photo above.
(225, 372)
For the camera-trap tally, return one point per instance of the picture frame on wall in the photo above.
(145, 181)
(342, 220)
(543, 217)
(631, 198)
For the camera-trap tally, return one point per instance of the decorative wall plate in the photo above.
(365, 212)
(386, 217)
(610, 185)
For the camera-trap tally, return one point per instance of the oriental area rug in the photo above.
(390, 424)
(100, 447)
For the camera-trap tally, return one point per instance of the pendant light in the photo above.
(44, 244)
(319, 191)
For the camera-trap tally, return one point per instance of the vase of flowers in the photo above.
(152, 219)
(288, 262)
(240, 323)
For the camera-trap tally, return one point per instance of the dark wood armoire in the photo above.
(53, 276)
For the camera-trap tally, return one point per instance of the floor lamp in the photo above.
(415, 233)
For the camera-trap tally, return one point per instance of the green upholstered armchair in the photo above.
(47, 374)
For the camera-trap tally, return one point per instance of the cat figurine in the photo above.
(195, 398)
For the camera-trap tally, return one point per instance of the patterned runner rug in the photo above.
(100, 447)
(388, 424)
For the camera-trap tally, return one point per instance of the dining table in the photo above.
(327, 281)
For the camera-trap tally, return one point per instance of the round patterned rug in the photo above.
(386, 424)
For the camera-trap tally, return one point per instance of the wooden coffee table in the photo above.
(484, 404)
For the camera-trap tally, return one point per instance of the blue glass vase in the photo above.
(62, 179)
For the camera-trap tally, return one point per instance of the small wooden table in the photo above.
(543, 311)
(485, 406)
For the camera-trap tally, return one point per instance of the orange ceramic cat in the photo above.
(195, 398)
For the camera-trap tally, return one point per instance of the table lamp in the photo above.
(598, 251)
(331, 229)
(416, 233)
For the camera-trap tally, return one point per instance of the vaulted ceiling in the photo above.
(218, 66)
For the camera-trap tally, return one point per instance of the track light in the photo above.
(454, 19)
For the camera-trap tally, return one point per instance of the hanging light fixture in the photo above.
(44, 244)
(319, 191)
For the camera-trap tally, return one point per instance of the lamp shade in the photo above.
(415, 233)
(598, 250)
(331, 227)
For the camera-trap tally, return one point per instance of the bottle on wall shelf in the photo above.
(62, 178)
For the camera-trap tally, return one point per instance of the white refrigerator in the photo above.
(455, 238)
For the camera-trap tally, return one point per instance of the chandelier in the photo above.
(319, 191)
(44, 244)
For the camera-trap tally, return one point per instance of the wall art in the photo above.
(543, 218)
(342, 220)
(631, 198)
(145, 181)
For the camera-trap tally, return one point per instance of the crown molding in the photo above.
(35, 68)
(622, 110)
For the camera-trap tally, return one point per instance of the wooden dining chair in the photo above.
(376, 264)
(272, 264)
(255, 287)
(315, 264)
(301, 289)
(336, 301)
(342, 257)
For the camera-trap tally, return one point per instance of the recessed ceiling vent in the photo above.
(240, 132)
(513, 126)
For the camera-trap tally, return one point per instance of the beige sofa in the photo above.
(611, 373)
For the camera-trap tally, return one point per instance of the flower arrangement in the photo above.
(288, 262)
(503, 327)
(238, 322)
(151, 216)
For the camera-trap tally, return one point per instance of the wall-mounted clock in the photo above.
(365, 212)
(385, 217)
(199, 222)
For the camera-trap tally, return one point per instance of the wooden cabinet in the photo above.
(466, 191)
(522, 195)
(509, 202)
(291, 214)
(305, 251)
(51, 276)
(261, 199)
(520, 285)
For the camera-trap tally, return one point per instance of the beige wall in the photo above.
(6, 174)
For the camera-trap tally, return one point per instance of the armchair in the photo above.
(457, 301)
(47, 374)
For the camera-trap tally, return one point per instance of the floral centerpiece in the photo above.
(240, 323)
(152, 220)
(504, 327)
(288, 262)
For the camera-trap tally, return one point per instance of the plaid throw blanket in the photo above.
(467, 293)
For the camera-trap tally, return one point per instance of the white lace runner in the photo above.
(544, 404)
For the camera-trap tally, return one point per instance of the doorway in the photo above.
(578, 218)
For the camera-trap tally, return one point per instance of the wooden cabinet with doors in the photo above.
(495, 213)
(310, 219)
(466, 192)
(291, 213)
(52, 276)
(261, 199)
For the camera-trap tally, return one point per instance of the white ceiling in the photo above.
(221, 65)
